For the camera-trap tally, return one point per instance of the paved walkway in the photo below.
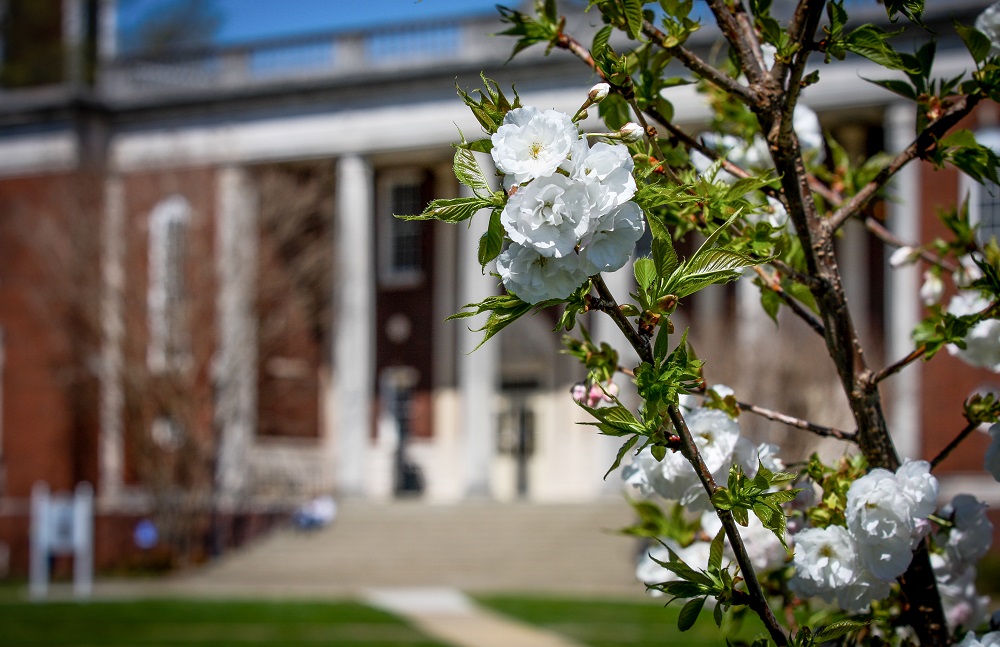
(448, 615)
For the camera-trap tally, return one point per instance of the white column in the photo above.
(354, 321)
(903, 287)
(111, 450)
(477, 371)
(235, 365)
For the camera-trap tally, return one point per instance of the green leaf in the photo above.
(645, 273)
(717, 616)
(689, 613)
(975, 41)
(450, 209)
(838, 629)
(872, 43)
(664, 256)
(633, 17)
(469, 173)
(600, 46)
(912, 9)
(624, 449)
(902, 88)
(491, 242)
(715, 550)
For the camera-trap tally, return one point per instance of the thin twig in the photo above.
(924, 142)
(691, 61)
(886, 236)
(899, 365)
(943, 454)
(798, 423)
(793, 304)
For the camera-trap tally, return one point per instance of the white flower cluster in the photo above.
(570, 214)
(886, 518)
(982, 342)
(717, 437)
(992, 639)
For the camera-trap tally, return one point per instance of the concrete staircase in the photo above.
(476, 547)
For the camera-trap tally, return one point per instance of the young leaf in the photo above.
(715, 550)
(975, 41)
(624, 449)
(469, 173)
(450, 209)
(491, 242)
(689, 613)
(872, 43)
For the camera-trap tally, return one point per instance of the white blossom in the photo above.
(967, 271)
(550, 215)
(991, 462)
(609, 247)
(716, 436)
(535, 278)
(878, 516)
(531, 143)
(972, 534)
(963, 606)
(991, 639)
(827, 565)
(606, 169)
(763, 548)
(983, 340)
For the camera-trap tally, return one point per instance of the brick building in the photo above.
(208, 311)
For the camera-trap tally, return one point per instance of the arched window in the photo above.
(167, 299)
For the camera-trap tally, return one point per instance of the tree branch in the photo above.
(691, 61)
(955, 442)
(738, 29)
(886, 236)
(793, 305)
(899, 365)
(924, 142)
(798, 423)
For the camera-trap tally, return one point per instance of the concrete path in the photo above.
(448, 615)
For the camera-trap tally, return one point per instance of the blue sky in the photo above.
(246, 20)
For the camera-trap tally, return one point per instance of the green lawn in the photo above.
(168, 623)
(618, 623)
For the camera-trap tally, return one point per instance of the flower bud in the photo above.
(933, 288)
(902, 256)
(631, 132)
(599, 92)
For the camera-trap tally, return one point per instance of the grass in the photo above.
(618, 623)
(163, 623)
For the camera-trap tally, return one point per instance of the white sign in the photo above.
(62, 524)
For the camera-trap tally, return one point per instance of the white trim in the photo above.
(903, 287)
(37, 154)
